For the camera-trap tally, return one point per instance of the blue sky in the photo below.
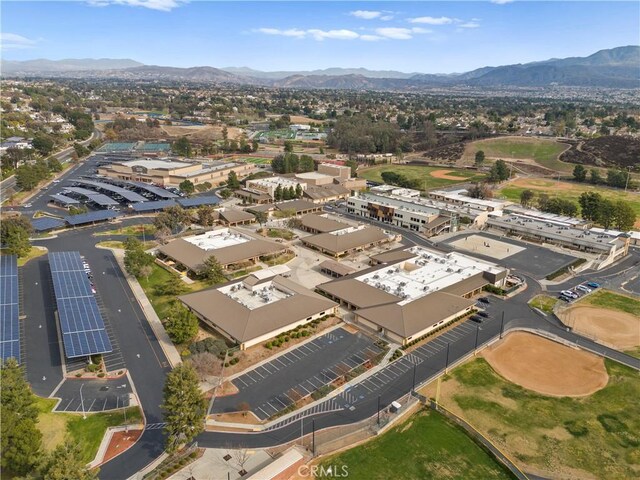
(430, 37)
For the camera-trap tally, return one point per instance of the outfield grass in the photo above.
(543, 151)
(87, 432)
(256, 160)
(594, 436)
(614, 301)
(425, 446)
(543, 302)
(634, 352)
(568, 191)
(421, 174)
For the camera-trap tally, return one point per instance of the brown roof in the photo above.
(235, 216)
(193, 257)
(256, 194)
(297, 205)
(436, 222)
(337, 267)
(321, 224)
(392, 256)
(265, 207)
(357, 293)
(413, 317)
(467, 285)
(346, 241)
(325, 191)
(245, 324)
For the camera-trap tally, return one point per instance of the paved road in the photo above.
(93, 395)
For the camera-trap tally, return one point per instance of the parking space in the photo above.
(273, 386)
(93, 395)
(530, 258)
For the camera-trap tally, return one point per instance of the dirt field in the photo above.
(487, 246)
(202, 133)
(446, 174)
(619, 329)
(547, 367)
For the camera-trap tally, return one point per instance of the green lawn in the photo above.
(281, 233)
(543, 151)
(129, 230)
(543, 302)
(256, 160)
(422, 174)
(425, 446)
(597, 434)
(87, 432)
(614, 301)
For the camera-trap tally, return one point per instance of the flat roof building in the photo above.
(338, 243)
(256, 309)
(416, 292)
(460, 197)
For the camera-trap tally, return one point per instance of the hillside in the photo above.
(607, 151)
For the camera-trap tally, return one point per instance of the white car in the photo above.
(27, 205)
(569, 293)
(583, 289)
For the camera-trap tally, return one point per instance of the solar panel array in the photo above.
(9, 308)
(197, 201)
(82, 326)
(113, 189)
(95, 197)
(91, 217)
(64, 200)
(153, 206)
(43, 224)
(158, 191)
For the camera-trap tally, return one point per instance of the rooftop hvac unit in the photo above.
(376, 276)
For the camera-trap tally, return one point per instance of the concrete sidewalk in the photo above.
(170, 351)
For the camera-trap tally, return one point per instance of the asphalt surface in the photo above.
(148, 367)
(93, 395)
(267, 388)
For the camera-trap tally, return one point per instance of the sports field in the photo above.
(276, 134)
(545, 152)
(425, 446)
(593, 436)
(255, 160)
(566, 190)
(428, 177)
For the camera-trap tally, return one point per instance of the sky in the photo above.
(427, 37)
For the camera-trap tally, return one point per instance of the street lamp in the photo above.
(502, 325)
(446, 363)
(475, 348)
(84, 416)
(378, 409)
(413, 389)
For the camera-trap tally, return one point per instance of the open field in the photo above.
(614, 301)
(585, 437)
(129, 230)
(566, 190)
(429, 177)
(425, 446)
(87, 432)
(543, 302)
(542, 151)
(559, 371)
(202, 133)
(255, 160)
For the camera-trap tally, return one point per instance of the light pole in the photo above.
(502, 325)
(378, 409)
(475, 348)
(628, 176)
(446, 363)
(84, 416)
(413, 389)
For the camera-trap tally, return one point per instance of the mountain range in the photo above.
(616, 68)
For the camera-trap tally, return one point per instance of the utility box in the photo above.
(394, 407)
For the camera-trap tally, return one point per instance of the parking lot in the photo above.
(93, 395)
(276, 384)
(530, 258)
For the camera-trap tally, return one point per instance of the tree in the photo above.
(278, 193)
(172, 287)
(306, 164)
(225, 193)
(479, 157)
(579, 173)
(14, 235)
(21, 439)
(180, 324)
(298, 191)
(606, 213)
(80, 150)
(261, 217)
(206, 365)
(499, 172)
(288, 146)
(291, 193)
(135, 258)
(182, 147)
(526, 197)
(161, 234)
(54, 165)
(617, 178)
(625, 216)
(595, 176)
(184, 405)
(480, 190)
(206, 215)
(43, 143)
(66, 463)
(211, 270)
(232, 181)
(187, 187)
(589, 205)
(174, 218)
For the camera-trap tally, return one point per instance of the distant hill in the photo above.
(614, 68)
(42, 65)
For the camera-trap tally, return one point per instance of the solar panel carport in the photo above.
(157, 191)
(97, 198)
(82, 327)
(64, 200)
(153, 206)
(9, 308)
(47, 223)
(197, 201)
(112, 189)
(91, 217)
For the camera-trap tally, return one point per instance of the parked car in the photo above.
(593, 284)
(483, 314)
(476, 318)
(569, 293)
(583, 289)
(484, 300)
(564, 299)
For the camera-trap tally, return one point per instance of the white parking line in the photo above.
(280, 362)
(281, 402)
(265, 413)
(91, 406)
(248, 374)
(383, 374)
(274, 408)
(303, 387)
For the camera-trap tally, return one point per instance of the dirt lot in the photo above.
(446, 174)
(619, 329)
(547, 367)
(121, 441)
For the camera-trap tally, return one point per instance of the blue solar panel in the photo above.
(9, 308)
(113, 189)
(97, 198)
(43, 224)
(152, 206)
(81, 324)
(64, 200)
(91, 217)
(197, 201)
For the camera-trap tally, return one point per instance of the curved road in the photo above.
(148, 366)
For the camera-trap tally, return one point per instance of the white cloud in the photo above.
(386, 17)
(371, 38)
(501, 2)
(399, 33)
(472, 24)
(292, 32)
(333, 34)
(366, 14)
(432, 20)
(161, 5)
(13, 41)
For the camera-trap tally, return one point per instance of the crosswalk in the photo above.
(155, 426)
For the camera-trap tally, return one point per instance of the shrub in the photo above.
(101, 374)
(78, 374)
(210, 345)
(576, 428)
(268, 345)
(304, 333)
(226, 364)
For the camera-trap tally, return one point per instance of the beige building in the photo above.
(256, 309)
(172, 173)
(338, 243)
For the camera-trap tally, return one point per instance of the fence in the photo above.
(478, 437)
(172, 463)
